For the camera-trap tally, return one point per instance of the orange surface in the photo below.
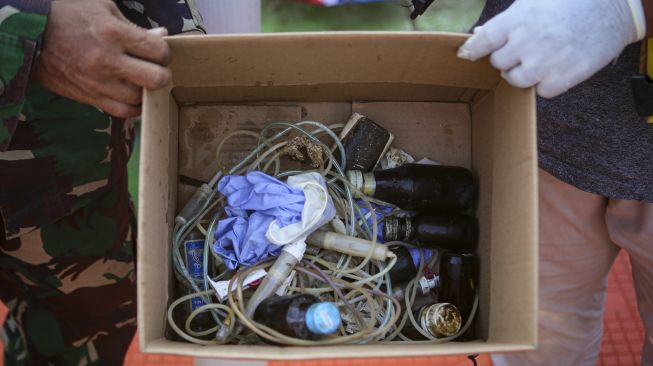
(482, 360)
(136, 358)
(621, 343)
(624, 334)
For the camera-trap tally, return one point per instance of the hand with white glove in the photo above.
(556, 44)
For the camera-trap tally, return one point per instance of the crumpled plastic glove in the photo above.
(253, 202)
(258, 202)
(556, 44)
(318, 209)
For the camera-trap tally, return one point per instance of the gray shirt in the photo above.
(591, 136)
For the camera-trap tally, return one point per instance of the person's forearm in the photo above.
(93, 55)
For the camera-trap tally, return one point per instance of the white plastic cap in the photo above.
(355, 177)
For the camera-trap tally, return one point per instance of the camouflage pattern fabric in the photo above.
(21, 26)
(178, 17)
(70, 287)
(55, 154)
(66, 228)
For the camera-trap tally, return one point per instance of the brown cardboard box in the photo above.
(437, 106)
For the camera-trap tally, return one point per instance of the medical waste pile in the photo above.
(326, 235)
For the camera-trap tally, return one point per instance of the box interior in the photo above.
(452, 111)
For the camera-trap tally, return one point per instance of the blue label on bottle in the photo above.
(195, 265)
(381, 212)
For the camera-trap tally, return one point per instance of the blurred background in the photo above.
(294, 16)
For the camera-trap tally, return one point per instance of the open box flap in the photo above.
(426, 58)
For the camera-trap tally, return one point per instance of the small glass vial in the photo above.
(440, 320)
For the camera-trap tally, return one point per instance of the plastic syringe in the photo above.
(277, 274)
(275, 277)
(349, 245)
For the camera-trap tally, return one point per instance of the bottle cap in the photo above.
(369, 184)
(441, 320)
(355, 177)
(427, 284)
(323, 318)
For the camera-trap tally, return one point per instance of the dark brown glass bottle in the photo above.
(407, 263)
(419, 186)
(424, 289)
(457, 284)
(449, 231)
(301, 316)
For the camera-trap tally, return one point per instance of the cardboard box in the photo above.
(437, 106)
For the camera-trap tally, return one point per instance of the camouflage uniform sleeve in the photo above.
(178, 16)
(21, 25)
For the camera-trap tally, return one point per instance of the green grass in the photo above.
(290, 16)
(443, 15)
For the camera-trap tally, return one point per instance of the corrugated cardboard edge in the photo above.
(350, 351)
(155, 145)
(416, 58)
(521, 270)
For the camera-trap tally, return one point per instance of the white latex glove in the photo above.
(318, 210)
(556, 44)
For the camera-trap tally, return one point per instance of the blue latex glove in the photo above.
(263, 193)
(254, 201)
(380, 211)
(416, 253)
